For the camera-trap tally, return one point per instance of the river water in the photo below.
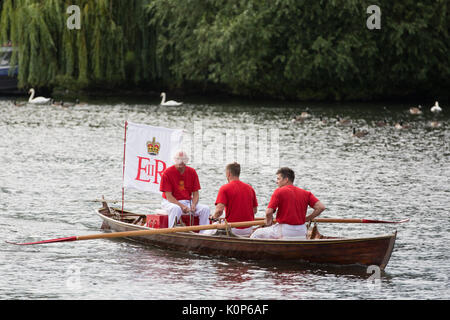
(56, 160)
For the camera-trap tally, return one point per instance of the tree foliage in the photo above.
(306, 49)
(111, 48)
(289, 49)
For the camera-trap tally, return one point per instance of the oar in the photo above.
(345, 220)
(333, 220)
(127, 201)
(147, 232)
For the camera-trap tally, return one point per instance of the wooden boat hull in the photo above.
(340, 251)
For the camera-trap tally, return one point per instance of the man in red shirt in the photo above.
(180, 186)
(238, 199)
(292, 204)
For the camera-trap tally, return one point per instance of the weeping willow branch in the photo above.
(112, 47)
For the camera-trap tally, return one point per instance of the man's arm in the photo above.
(195, 197)
(219, 210)
(318, 208)
(172, 199)
(269, 216)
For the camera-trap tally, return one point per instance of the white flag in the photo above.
(148, 152)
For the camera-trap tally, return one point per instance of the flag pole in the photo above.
(123, 169)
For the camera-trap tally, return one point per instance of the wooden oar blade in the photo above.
(45, 241)
(381, 221)
(352, 220)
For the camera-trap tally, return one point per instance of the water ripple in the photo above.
(55, 160)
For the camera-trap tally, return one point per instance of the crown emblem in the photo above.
(153, 147)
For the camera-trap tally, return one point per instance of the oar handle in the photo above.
(127, 201)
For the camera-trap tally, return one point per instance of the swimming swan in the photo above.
(436, 108)
(170, 103)
(37, 100)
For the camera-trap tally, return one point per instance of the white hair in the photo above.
(180, 156)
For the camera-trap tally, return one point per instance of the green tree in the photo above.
(114, 35)
(305, 49)
(288, 49)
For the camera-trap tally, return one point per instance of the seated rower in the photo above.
(238, 199)
(292, 204)
(180, 187)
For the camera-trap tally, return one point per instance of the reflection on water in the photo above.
(55, 160)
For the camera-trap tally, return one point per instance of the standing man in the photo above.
(180, 186)
(238, 199)
(292, 203)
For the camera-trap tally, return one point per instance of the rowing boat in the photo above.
(316, 248)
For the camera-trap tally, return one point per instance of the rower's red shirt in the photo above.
(239, 199)
(292, 203)
(181, 185)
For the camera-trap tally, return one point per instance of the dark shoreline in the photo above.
(140, 93)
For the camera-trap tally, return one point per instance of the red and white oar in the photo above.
(350, 220)
(257, 221)
(138, 233)
(339, 220)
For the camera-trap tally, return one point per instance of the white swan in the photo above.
(37, 100)
(436, 107)
(170, 103)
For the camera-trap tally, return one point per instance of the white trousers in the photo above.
(174, 211)
(242, 232)
(281, 231)
(239, 232)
